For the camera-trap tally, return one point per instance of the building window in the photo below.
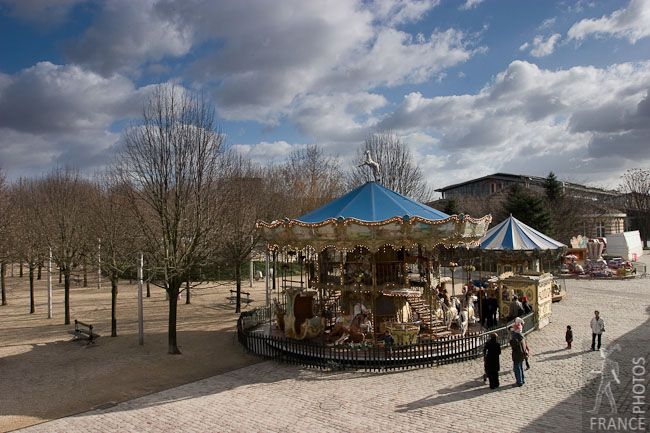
(493, 188)
(600, 229)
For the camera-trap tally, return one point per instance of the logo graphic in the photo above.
(609, 372)
(624, 374)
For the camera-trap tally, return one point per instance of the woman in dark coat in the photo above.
(491, 353)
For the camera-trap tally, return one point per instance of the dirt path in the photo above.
(44, 375)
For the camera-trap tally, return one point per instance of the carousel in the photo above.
(364, 267)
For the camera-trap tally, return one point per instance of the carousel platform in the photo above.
(427, 350)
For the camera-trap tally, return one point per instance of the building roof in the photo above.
(372, 202)
(533, 179)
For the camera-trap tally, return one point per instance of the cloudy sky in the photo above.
(473, 87)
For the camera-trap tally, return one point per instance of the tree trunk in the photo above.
(148, 290)
(3, 273)
(238, 281)
(38, 272)
(85, 274)
(20, 270)
(114, 281)
(187, 289)
(32, 307)
(174, 285)
(66, 295)
(60, 275)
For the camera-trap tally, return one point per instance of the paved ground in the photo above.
(560, 387)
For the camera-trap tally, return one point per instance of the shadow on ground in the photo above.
(624, 353)
(61, 378)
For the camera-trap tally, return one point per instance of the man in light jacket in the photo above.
(597, 329)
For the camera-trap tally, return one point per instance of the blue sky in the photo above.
(473, 87)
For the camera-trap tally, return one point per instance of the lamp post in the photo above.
(140, 319)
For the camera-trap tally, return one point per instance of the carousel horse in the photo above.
(451, 311)
(311, 328)
(279, 313)
(342, 331)
(462, 320)
(359, 308)
(374, 166)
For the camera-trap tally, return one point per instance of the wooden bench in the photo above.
(83, 331)
(233, 297)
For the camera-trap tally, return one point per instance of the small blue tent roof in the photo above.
(512, 234)
(372, 202)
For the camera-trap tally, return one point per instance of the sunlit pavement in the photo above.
(560, 386)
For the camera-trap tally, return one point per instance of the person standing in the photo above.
(569, 336)
(519, 355)
(597, 329)
(491, 352)
(493, 308)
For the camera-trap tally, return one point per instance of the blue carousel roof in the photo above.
(372, 202)
(512, 234)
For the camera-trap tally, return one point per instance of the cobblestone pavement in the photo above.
(560, 387)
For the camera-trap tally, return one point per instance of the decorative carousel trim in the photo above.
(461, 218)
(372, 246)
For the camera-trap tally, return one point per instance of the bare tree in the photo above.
(5, 232)
(170, 162)
(62, 216)
(27, 229)
(635, 184)
(479, 206)
(306, 181)
(243, 194)
(117, 232)
(398, 170)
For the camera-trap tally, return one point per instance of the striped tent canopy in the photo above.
(514, 235)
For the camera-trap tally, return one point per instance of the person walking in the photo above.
(569, 336)
(519, 355)
(597, 329)
(491, 352)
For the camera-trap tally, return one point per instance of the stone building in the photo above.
(600, 209)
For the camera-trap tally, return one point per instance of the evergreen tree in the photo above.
(554, 190)
(529, 209)
(451, 207)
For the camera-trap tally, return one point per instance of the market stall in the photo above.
(520, 250)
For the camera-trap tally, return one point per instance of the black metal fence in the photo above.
(253, 333)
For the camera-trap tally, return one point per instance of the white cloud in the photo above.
(530, 120)
(547, 23)
(129, 34)
(266, 153)
(336, 117)
(259, 57)
(632, 23)
(54, 98)
(27, 155)
(393, 12)
(470, 4)
(541, 47)
(53, 114)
